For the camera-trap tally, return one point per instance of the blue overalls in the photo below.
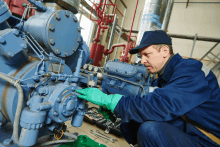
(187, 87)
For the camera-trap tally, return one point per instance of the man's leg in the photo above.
(162, 134)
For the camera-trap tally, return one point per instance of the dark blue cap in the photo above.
(150, 38)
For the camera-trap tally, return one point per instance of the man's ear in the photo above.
(166, 51)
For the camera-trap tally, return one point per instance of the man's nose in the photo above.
(143, 60)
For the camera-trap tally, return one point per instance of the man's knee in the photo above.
(149, 129)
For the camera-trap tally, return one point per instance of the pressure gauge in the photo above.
(90, 67)
(96, 69)
(85, 66)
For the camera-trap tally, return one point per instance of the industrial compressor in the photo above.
(44, 60)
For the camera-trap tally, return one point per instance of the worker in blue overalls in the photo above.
(184, 111)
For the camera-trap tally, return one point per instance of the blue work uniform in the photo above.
(186, 87)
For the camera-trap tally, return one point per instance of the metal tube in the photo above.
(194, 42)
(167, 15)
(211, 39)
(209, 51)
(163, 11)
(122, 23)
(123, 3)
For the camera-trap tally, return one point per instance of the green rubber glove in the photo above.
(104, 113)
(95, 96)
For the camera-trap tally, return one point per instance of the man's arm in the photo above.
(186, 89)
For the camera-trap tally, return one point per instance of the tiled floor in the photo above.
(85, 130)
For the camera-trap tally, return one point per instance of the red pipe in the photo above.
(117, 8)
(106, 51)
(125, 56)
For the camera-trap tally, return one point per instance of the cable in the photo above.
(56, 142)
(58, 138)
(19, 105)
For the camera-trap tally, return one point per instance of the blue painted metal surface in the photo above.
(45, 54)
(125, 79)
(56, 30)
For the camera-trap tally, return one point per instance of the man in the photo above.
(183, 112)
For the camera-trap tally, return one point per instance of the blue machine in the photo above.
(43, 55)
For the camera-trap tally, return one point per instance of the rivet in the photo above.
(52, 42)
(52, 28)
(2, 40)
(58, 17)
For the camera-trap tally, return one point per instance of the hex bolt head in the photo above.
(2, 40)
(51, 27)
(64, 104)
(52, 42)
(11, 54)
(79, 29)
(7, 142)
(64, 111)
(79, 39)
(58, 17)
(16, 32)
(55, 113)
(24, 46)
(58, 51)
(75, 19)
(67, 13)
(58, 100)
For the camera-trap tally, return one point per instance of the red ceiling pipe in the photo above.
(124, 57)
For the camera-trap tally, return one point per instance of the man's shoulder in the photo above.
(189, 63)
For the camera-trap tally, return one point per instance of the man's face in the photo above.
(153, 59)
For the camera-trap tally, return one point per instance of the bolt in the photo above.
(58, 100)
(58, 51)
(55, 113)
(52, 42)
(64, 104)
(24, 46)
(58, 17)
(74, 49)
(66, 52)
(2, 40)
(67, 13)
(16, 32)
(52, 28)
(11, 54)
(79, 29)
(7, 142)
(79, 40)
(64, 111)
(74, 19)
(73, 88)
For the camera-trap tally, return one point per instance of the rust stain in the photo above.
(5, 93)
